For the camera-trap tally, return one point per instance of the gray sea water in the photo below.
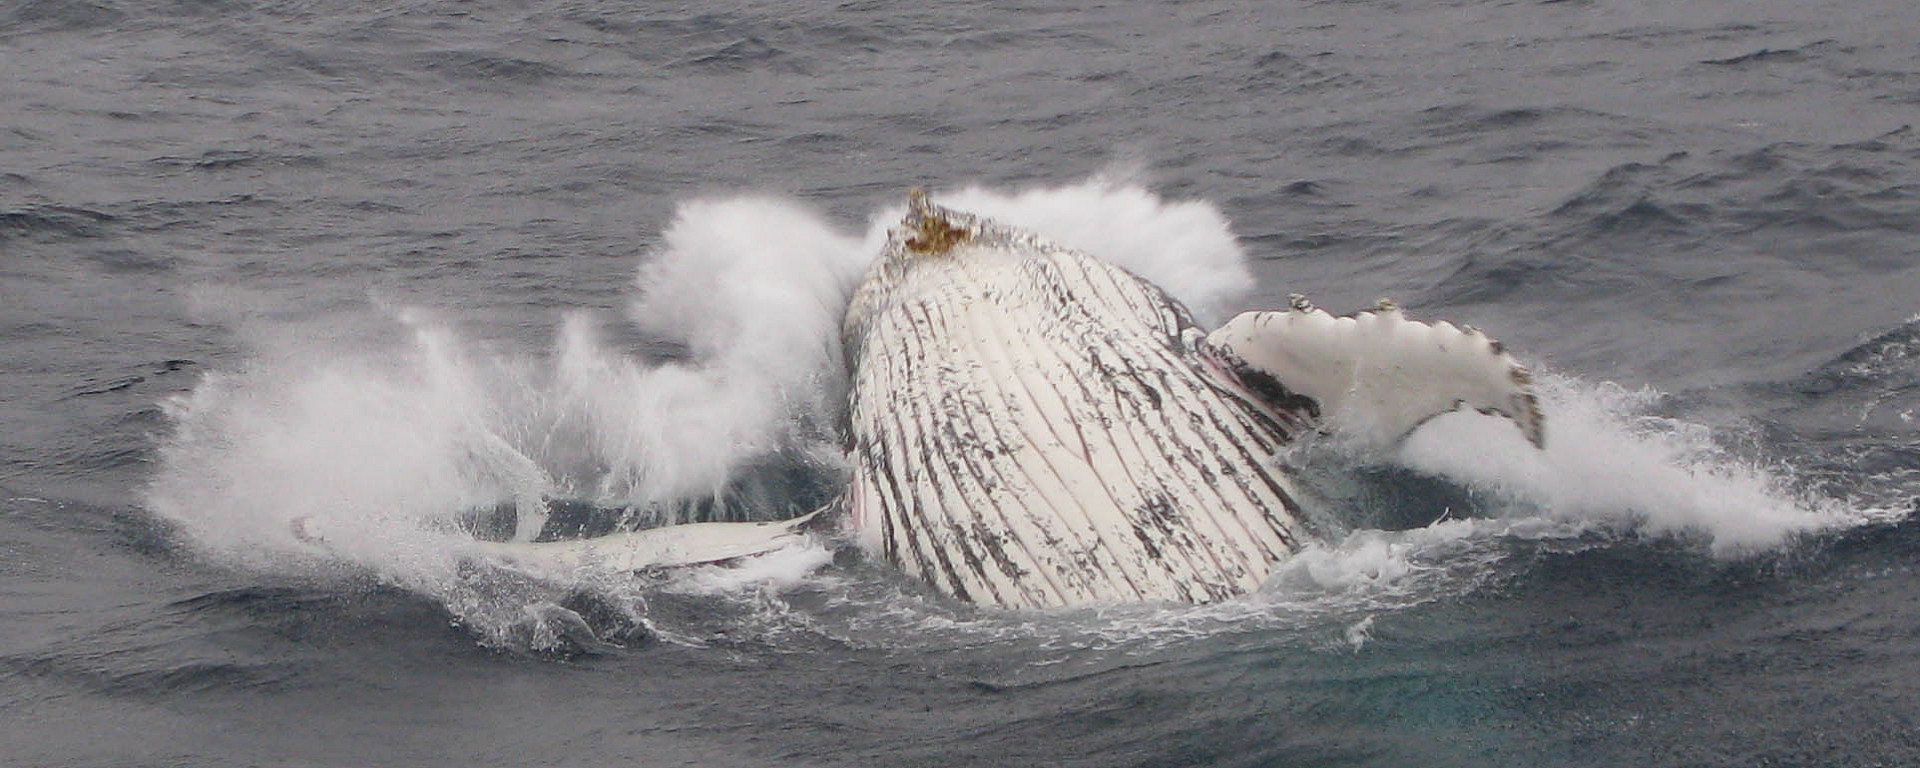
(376, 263)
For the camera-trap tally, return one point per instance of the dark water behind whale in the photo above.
(362, 260)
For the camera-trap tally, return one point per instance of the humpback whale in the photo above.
(1031, 427)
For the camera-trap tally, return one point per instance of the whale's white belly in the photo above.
(1034, 428)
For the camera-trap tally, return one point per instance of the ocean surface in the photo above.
(382, 264)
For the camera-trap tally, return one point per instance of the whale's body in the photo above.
(1031, 427)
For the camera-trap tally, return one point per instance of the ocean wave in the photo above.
(45, 222)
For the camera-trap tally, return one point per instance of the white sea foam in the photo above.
(363, 444)
(380, 444)
(1609, 469)
(755, 288)
(1609, 461)
(780, 569)
(1359, 633)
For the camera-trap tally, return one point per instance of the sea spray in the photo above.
(379, 441)
(1609, 461)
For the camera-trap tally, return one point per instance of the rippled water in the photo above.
(375, 264)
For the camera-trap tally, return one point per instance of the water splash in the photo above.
(1610, 461)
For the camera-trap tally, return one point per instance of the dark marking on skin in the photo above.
(994, 543)
(890, 542)
(1061, 296)
(998, 487)
(1180, 450)
(1093, 526)
(1120, 577)
(955, 462)
(1255, 422)
(1182, 319)
(1159, 511)
(1270, 389)
(1238, 406)
(907, 513)
(1269, 428)
(993, 478)
(897, 528)
(1252, 408)
(1195, 549)
(920, 515)
(921, 412)
(1259, 470)
(1198, 355)
(962, 537)
(989, 540)
(1146, 542)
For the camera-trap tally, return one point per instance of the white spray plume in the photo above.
(1607, 462)
(755, 288)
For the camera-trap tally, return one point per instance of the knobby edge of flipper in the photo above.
(1375, 373)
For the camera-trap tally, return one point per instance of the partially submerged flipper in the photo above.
(670, 546)
(1376, 373)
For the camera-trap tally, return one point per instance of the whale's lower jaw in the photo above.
(1033, 428)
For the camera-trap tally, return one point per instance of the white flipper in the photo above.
(672, 546)
(1376, 373)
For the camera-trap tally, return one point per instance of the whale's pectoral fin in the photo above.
(1376, 373)
(670, 546)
